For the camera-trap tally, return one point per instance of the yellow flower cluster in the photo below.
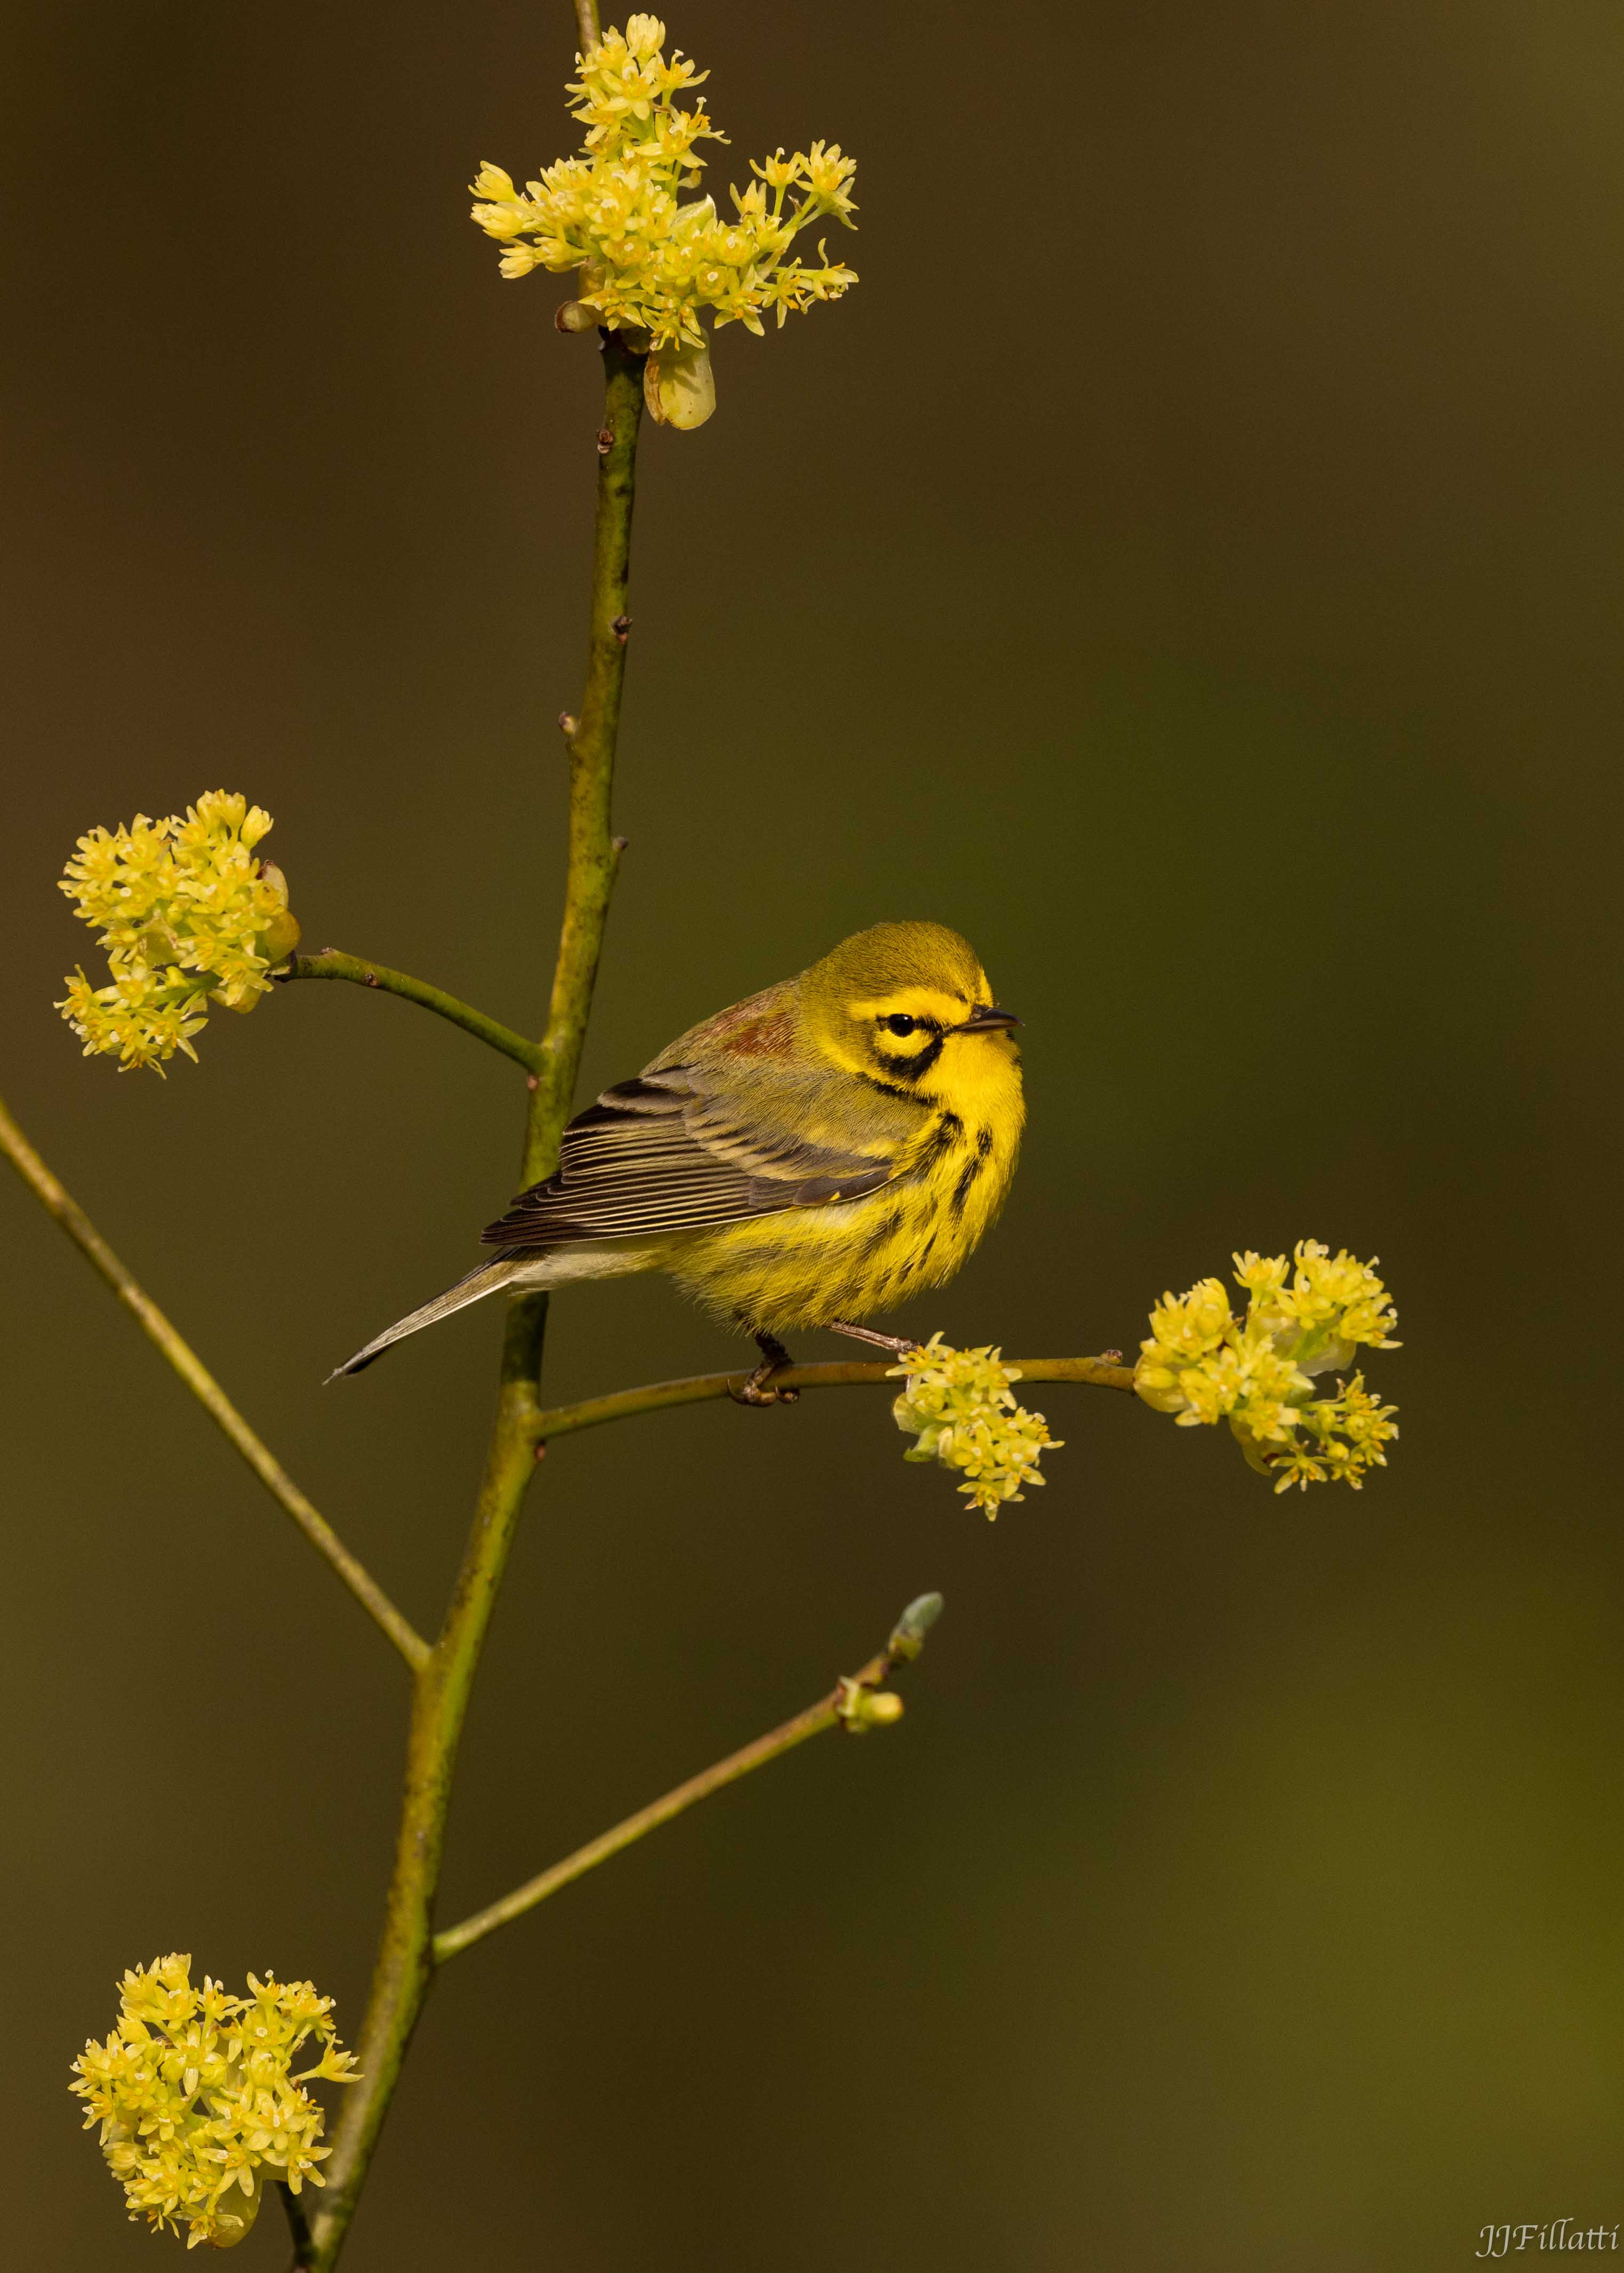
(1204, 1364)
(186, 913)
(649, 262)
(959, 1404)
(197, 2104)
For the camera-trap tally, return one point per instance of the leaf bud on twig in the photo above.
(908, 1634)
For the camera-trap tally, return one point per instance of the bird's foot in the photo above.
(756, 1388)
(898, 1345)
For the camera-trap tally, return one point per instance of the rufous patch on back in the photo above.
(771, 1037)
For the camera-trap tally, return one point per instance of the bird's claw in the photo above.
(757, 1389)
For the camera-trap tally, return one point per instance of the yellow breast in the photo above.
(850, 1260)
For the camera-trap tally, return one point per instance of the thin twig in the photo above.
(837, 1707)
(209, 1392)
(783, 1739)
(586, 24)
(332, 963)
(563, 1420)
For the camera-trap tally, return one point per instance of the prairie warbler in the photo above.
(808, 1158)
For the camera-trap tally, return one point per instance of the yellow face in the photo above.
(907, 1007)
(934, 1043)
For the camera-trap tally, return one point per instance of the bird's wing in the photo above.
(671, 1152)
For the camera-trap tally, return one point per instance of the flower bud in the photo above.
(1317, 1353)
(863, 1709)
(1158, 1386)
(280, 937)
(577, 316)
(237, 2209)
(678, 385)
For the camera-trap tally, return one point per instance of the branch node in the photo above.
(621, 627)
(567, 723)
(605, 441)
(619, 842)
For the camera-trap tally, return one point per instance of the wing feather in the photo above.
(663, 1153)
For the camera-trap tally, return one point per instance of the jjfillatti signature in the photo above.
(1560, 2233)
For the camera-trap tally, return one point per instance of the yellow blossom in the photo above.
(188, 914)
(1203, 1365)
(198, 2102)
(652, 256)
(1345, 1434)
(959, 1404)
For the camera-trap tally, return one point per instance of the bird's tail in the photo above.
(483, 1279)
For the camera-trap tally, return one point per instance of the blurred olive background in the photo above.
(1190, 563)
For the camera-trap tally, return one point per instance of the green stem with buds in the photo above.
(404, 1966)
(59, 1203)
(841, 1709)
(332, 963)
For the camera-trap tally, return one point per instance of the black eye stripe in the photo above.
(910, 1065)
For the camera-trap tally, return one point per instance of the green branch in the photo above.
(207, 1390)
(620, 1404)
(405, 1964)
(331, 963)
(845, 1706)
(403, 1968)
(594, 853)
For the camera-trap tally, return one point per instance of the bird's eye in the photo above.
(900, 1024)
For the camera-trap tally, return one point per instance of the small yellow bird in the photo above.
(808, 1158)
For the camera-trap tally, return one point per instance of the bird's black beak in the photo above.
(985, 1019)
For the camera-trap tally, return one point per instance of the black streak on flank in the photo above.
(889, 1088)
(984, 1144)
(963, 1188)
(883, 1233)
(943, 1139)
